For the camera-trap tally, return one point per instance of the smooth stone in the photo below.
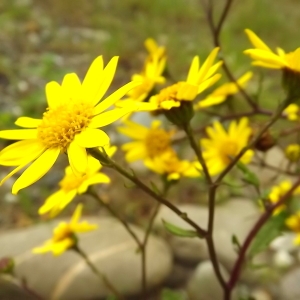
(204, 284)
(110, 248)
(289, 285)
(236, 216)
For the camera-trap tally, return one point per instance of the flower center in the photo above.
(157, 142)
(169, 93)
(62, 232)
(60, 125)
(228, 151)
(71, 182)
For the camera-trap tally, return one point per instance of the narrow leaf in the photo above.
(175, 230)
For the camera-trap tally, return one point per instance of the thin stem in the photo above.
(98, 155)
(196, 147)
(251, 235)
(104, 279)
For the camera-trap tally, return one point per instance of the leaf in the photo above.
(155, 188)
(175, 230)
(168, 294)
(270, 230)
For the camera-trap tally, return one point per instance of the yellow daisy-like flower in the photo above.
(263, 56)
(221, 147)
(71, 185)
(292, 152)
(293, 222)
(292, 112)
(221, 93)
(70, 124)
(198, 80)
(64, 237)
(149, 77)
(168, 164)
(149, 142)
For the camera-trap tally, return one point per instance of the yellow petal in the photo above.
(28, 122)
(18, 134)
(256, 41)
(77, 158)
(36, 170)
(95, 179)
(19, 152)
(208, 83)
(266, 57)
(71, 86)
(54, 94)
(193, 71)
(90, 138)
(109, 117)
(77, 214)
(114, 97)
(51, 202)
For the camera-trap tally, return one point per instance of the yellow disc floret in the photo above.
(60, 125)
(157, 142)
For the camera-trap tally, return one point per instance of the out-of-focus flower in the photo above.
(154, 49)
(64, 235)
(71, 185)
(70, 124)
(221, 93)
(293, 222)
(221, 146)
(292, 112)
(149, 142)
(171, 166)
(292, 152)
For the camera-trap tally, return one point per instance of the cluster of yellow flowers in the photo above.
(77, 111)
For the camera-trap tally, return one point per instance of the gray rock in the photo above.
(110, 248)
(289, 285)
(205, 286)
(236, 216)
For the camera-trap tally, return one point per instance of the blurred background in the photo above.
(40, 41)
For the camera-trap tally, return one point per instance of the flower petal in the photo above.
(54, 94)
(90, 138)
(77, 214)
(109, 117)
(77, 158)
(19, 152)
(193, 71)
(71, 86)
(256, 41)
(28, 122)
(18, 134)
(36, 170)
(266, 57)
(114, 97)
(95, 179)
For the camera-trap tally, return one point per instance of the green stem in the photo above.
(103, 278)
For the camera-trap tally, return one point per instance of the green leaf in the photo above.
(249, 176)
(270, 230)
(168, 294)
(175, 230)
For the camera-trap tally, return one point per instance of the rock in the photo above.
(110, 248)
(236, 216)
(205, 286)
(289, 285)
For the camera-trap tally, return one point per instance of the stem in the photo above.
(196, 147)
(104, 279)
(98, 155)
(251, 235)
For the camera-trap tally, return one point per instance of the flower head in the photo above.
(292, 152)
(221, 147)
(293, 223)
(64, 235)
(149, 142)
(292, 112)
(71, 185)
(221, 93)
(70, 124)
(171, 166)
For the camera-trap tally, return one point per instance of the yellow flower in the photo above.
(292, 112)
(292, 152)
(198, 80)
(168, 164)
(221, 93)
(151, 75)
(70, 124)
(149, 142)
(71, 185)
(293, 222)
(263, 56)
(221, 147)
(154, 49)
(64, 237)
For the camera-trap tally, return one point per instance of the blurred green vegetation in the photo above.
(42, 40)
